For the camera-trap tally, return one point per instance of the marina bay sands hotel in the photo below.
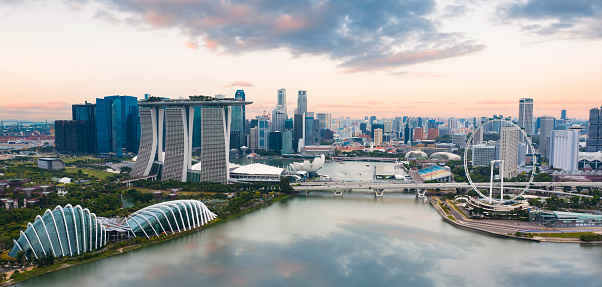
(167, 129)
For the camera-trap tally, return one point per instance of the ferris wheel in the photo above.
(490, 198)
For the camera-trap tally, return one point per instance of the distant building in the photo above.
(309, 134)
(459, 139)
(325, 121)
(378, 137)
(509, 137)
(287, 143)
(594, 135)
(436, 173)
(275, 141)
(525, 115)
(316, 150)
(301, 103)
(563, 114)
(73, 137)
(482, 155)
(547, 124)
(408, 134)
(433, 133)
(418, 134)
(298, 130)
(51, 163)
(564, 149)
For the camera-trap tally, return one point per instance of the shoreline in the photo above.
(71, 262)
(445, 217)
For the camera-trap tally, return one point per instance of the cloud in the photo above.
(359, 35)
(239, 84)
(51, 105)
(567, 19)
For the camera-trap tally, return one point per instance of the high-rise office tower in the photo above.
(282, 98)
(87, 113)
(287, 142)
(238, 116)
(378, 137)
(525, 115)
(263, 130)
(169, 125)
(546, 125)
(408, 134)
(563, 114)
(278, 120)
(564, 149)
(418, 134)
(117, 125)
(301, 103)
(298, 130)
(433, 133)
(509, 137)
(325, 121)
(309, 132)
(594, 134)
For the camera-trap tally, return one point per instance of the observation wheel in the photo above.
(469, 144)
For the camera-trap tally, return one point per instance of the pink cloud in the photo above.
(156, 19)
(51, 105)
(286, 23)
(238, 84)
(191, 45)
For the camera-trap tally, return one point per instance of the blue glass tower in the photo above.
(238, 116)
(117, 125)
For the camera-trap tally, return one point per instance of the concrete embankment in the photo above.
(434, 202)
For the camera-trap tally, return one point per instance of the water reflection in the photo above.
(354, 240)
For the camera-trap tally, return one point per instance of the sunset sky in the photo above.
(354, 58)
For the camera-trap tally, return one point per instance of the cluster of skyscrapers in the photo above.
(108, 128)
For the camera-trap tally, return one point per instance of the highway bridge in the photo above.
(548, 187)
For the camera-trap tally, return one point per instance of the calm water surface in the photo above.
(357, 240)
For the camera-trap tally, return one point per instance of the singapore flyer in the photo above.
(496, 185)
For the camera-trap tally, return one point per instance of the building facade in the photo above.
(546, 125)
(509, 137)
(564, 149)
(594, 134)
(166, 143)
(117, 125)
(301, 103)
(525, 115)
(482, 155)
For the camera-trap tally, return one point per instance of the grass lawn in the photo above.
(97, 173)
(563, 235)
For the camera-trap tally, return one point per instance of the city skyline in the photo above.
(478, 58)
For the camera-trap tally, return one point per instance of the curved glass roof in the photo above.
(169, 217)
(64, 231)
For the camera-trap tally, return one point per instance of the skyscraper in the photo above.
(564, 149)
(298, 130)
(309, 133)
(509, 150)
(279, 114)
(282, 98)
(117, 125)
(546, 124)
(378, 137)
(301, 103)
(238, 116)
(594, 134)
(87, 113)
(563, 114)
(169, 125)
(525, 115)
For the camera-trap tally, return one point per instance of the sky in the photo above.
(354, 58)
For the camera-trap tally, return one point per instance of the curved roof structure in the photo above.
(416, 154)
(169, 217)
(445, 156)
(64, 231)
(258, 168)
(316, 164)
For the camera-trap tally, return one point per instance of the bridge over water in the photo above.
(370, 186)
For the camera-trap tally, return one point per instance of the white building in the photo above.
(564, 149)
(482, 155)
(459, 139)
(509, 137)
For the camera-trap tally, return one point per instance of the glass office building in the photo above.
(117, 125)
